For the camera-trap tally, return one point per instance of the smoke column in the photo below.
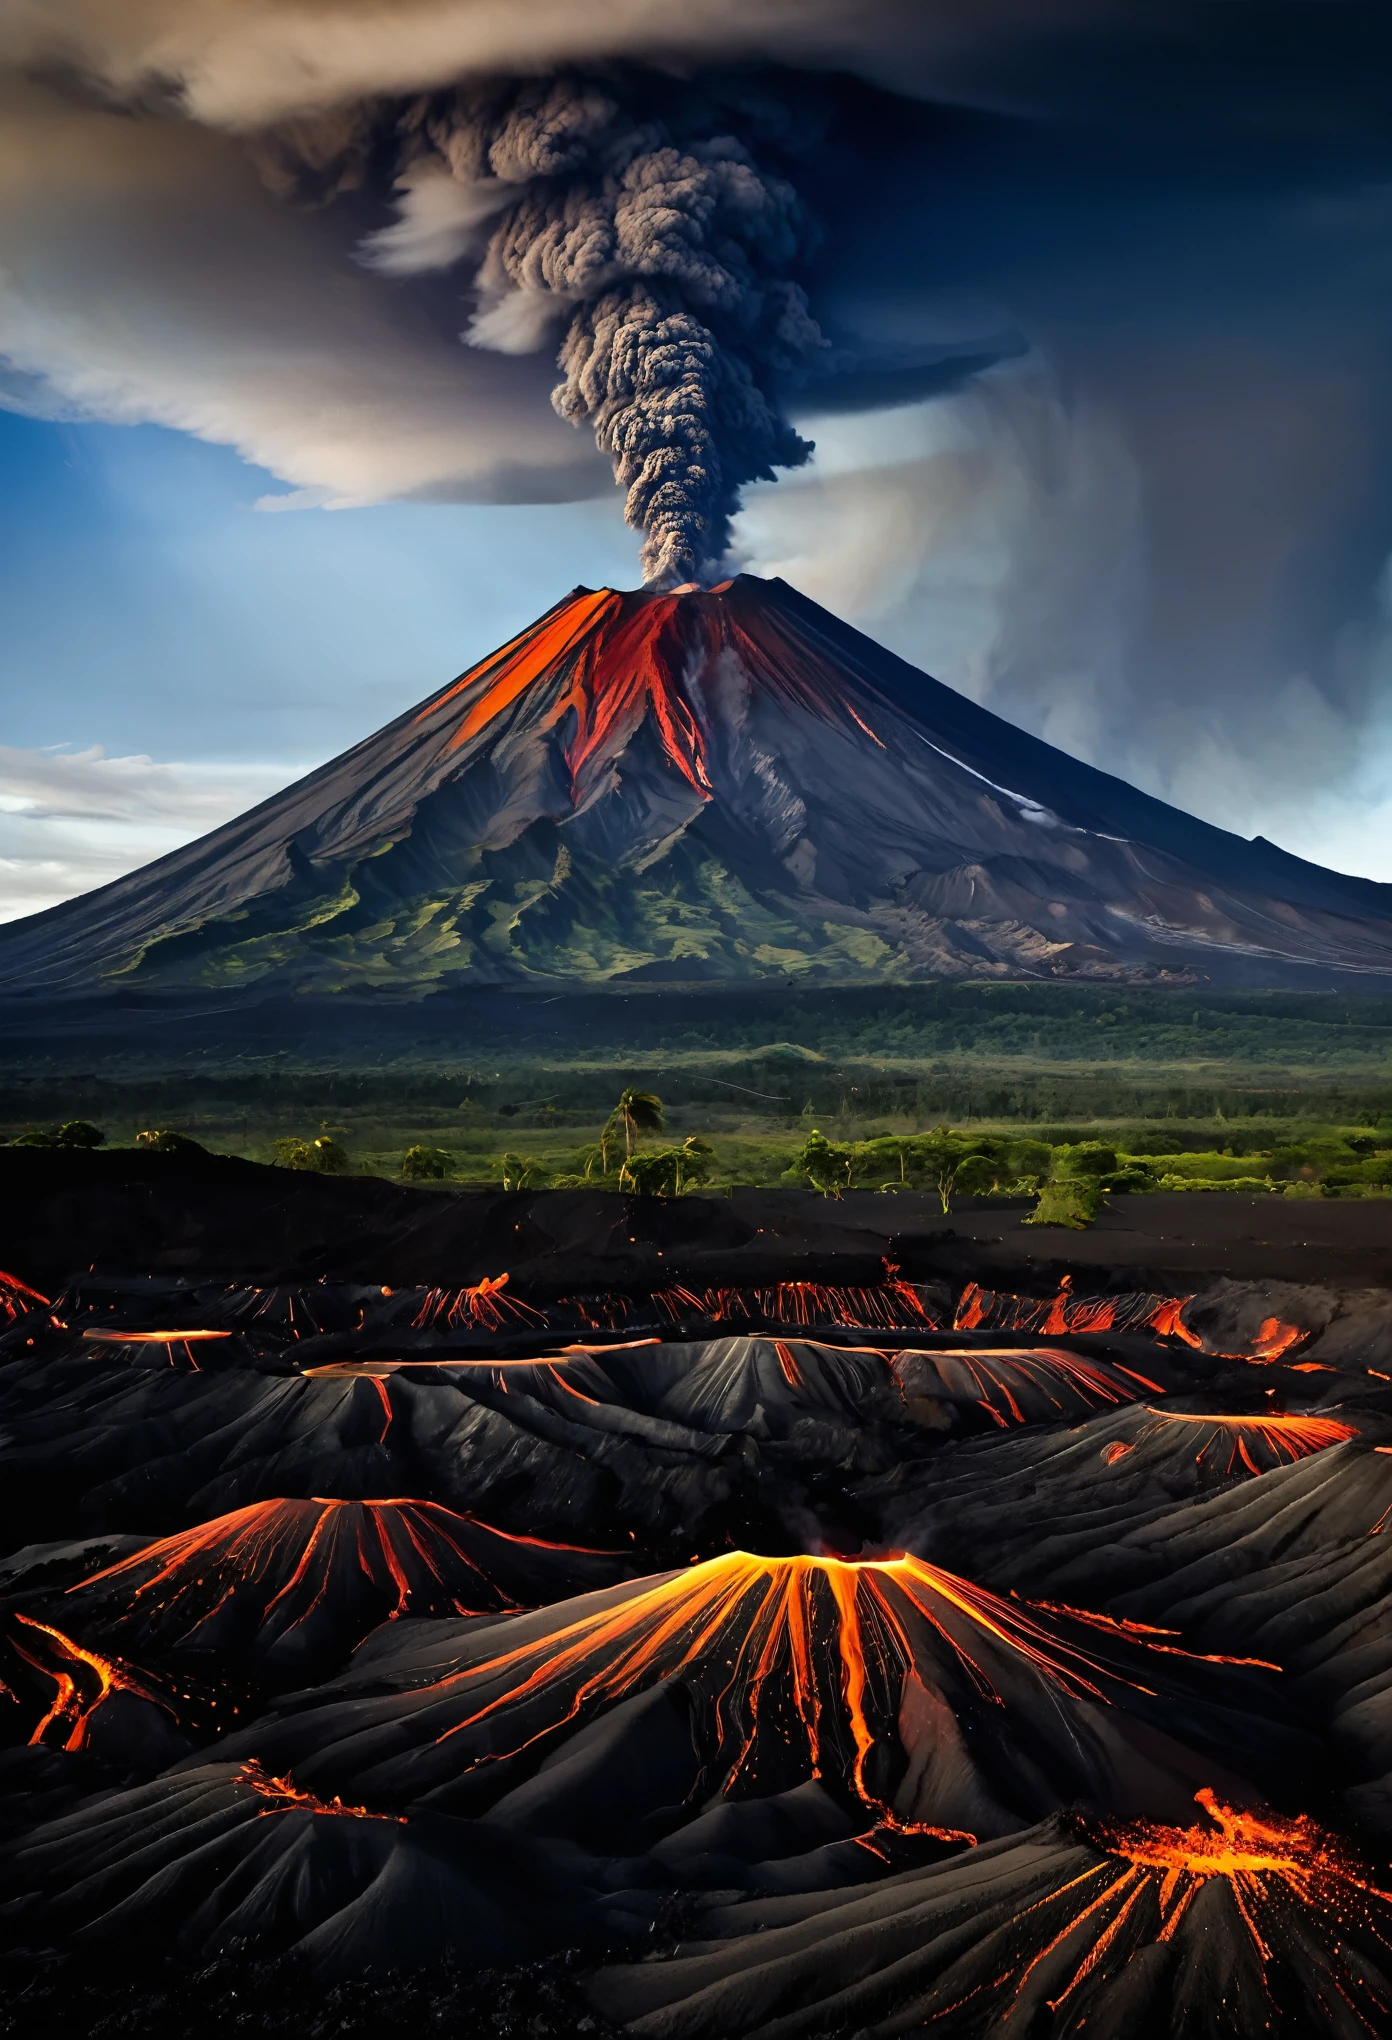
(641, 220)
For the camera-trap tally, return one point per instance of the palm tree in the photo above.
(637, 1112)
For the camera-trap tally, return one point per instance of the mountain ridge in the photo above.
(720, 785)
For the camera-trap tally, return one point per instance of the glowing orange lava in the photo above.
(283, 1795)
(891, 1306)
(1268, 1863)
(484, 1305)
(1273, 1339)
(1282, 1439)
(83, 1681)
(602, 663)
(997, 1379)
(17, 1298)
(288, 1557)
(813, 1653)
(997, 1310)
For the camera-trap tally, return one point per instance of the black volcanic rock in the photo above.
(726, 785)
(1003, 1651)
(1233, 1928)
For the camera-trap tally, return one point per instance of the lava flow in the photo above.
(82, 1681)
(17, 1299)
(483, 1306)
(611, 661)
(1020, 1385)
(1279, 1440)
(1287, 1881)
(283, 1795)
(890, 1306)
(1138, 1311)
(288, 1574)
(801, 1665)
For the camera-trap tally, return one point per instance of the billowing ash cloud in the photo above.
(631, 216)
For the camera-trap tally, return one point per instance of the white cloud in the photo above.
(146, 276)
(996, 538)
(72, 820)
(243, 63)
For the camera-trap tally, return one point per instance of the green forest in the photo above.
(1291, 1091)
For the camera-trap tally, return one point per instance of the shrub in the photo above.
(826, 1164)
(1086, 1158)
(292, 1153)
(667, 1172)
(1073, 1201)
(165, 1141)
(74, 1133)
(521, 1172)
(426, 1164)
(329, 1158)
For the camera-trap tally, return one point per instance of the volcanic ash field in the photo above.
(781, 1660)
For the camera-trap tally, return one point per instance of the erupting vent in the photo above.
(801, 1666)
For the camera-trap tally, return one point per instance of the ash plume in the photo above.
(639, 221)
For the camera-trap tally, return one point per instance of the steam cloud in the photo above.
(653, 234)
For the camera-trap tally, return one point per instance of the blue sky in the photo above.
(170, 654)
(146, 606)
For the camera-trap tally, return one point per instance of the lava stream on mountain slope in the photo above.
(83, 1681)
(1249, 1924)
(1022, 1385)
(290, 1586)
(998, 1310)
(797, 1667)
(613, 660)
(1280, 1440)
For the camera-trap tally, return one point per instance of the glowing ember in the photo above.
(17, 1298)
(282, 1795)
(82, 1679)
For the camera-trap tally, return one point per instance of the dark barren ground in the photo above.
(127, 1209)
(757, 1616)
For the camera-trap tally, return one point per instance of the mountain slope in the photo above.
(722, 784)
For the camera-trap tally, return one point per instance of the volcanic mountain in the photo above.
(721, 784)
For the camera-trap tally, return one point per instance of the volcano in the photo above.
(723, 784)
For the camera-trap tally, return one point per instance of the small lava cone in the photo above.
(287, 1589)
(933, 1705)
(1242, 1923)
